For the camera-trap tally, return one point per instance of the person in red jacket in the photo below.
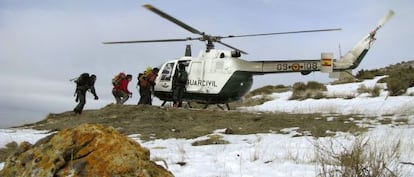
(121, 92)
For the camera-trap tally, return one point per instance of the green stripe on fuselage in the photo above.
(236, 87)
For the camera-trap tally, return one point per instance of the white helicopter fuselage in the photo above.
(220, 76)
(213, 76)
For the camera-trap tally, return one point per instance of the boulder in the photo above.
(86, 150)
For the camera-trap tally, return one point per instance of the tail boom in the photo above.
(349, 61)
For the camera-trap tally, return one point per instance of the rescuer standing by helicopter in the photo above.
(179, 81)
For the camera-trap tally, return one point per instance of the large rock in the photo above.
(87, 150)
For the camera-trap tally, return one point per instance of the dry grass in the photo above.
(211, 139)
(362, 159)
(312, 89)
(8, 150)
(161, 123)
(268, 89)
(373, 92)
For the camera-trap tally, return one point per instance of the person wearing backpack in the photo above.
(84, 83)
(120, 90)
(118, 78)
(179, 82)
(144, 87)
(146, 84)
(139, 86)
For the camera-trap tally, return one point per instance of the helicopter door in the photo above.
(165, 78)
(196, 73)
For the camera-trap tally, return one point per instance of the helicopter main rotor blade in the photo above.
(205, 37)
(280, 33)
(234, 48)
(172, 19)
(148, 41)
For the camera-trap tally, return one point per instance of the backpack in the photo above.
(143, 80)
(182, 77)
(139, 80)
(117, 79)
(82, 80)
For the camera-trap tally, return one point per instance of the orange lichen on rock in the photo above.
(87, 150)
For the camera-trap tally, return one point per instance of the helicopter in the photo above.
(221, 76)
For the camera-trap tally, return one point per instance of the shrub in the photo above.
(369, 74)
(374, 92)
(396, 87)
(310, 90)
(212, 139)
(400, 77)
(250, 99)
(299, 86)
(399, 81)
(8, 150)
(313, 85)
(361, 159)
(254, 101)
(363, 89)
(268, 89)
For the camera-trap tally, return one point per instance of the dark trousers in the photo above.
(145, 94)
(178, 94)
(81, 97)
(120, 96)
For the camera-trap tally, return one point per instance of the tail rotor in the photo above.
(384, 20)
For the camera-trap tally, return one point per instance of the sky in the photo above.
(45, 43)
(286, 154)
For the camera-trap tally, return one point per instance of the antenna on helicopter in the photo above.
(340, 50)
(210, 39)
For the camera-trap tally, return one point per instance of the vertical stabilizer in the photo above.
(354, 57)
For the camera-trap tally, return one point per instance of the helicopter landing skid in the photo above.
(219, 106)
(164, 102)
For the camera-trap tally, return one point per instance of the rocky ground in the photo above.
(86, 150)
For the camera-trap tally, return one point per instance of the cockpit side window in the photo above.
(167, 71)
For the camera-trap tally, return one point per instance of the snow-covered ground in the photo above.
(259, 155)
(360, 104)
